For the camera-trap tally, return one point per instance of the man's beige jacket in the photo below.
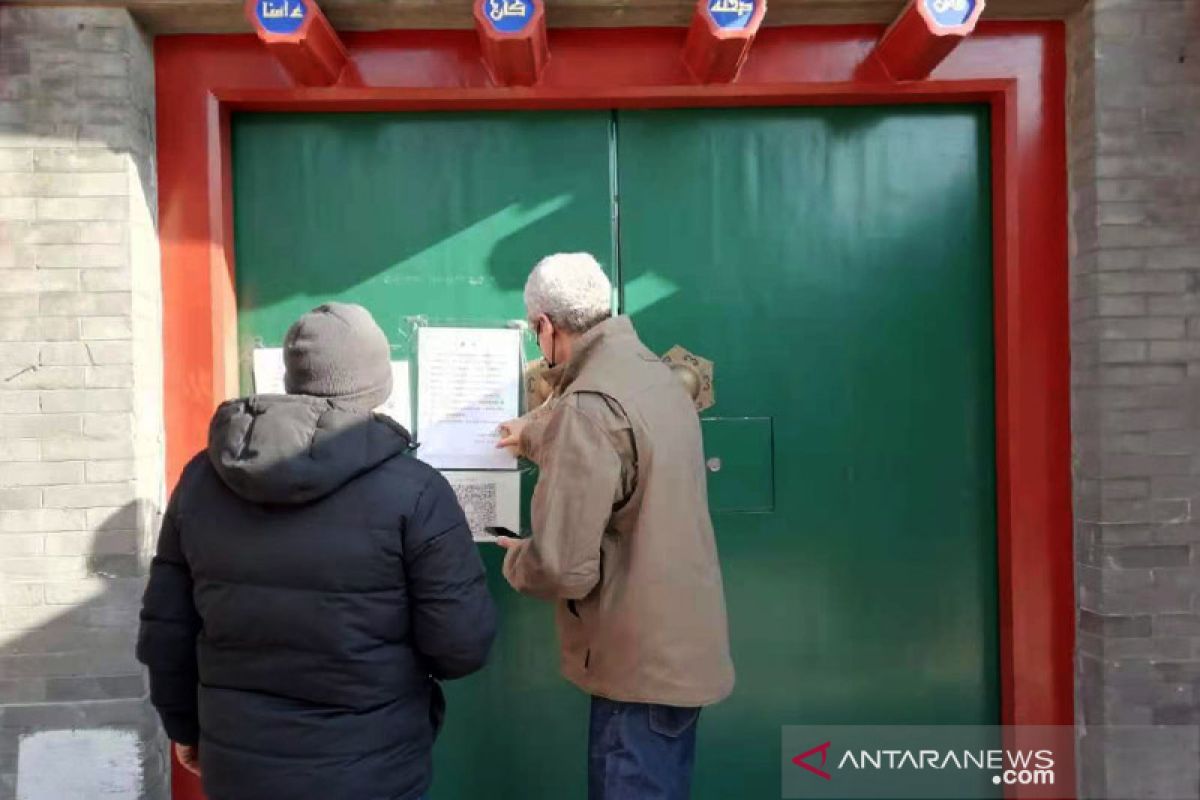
(622, 538)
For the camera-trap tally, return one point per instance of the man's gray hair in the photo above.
(571, 289)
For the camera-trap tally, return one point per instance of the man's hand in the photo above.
(508, 542)
(189, 757)
(510, 436)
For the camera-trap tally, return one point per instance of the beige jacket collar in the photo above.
(610, 331)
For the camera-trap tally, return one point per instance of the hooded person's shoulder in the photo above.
(196, 470)
(407, 470)
(436, 509)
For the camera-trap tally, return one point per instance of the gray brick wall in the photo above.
(1134, 109)
(80, 398)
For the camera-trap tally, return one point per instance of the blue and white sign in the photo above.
(731, 15)
(508, 16)
(950, 13)
(280, 16)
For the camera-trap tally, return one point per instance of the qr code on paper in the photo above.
(478, 501)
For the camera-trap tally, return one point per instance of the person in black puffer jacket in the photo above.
(313, 583)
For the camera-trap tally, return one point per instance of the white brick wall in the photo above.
(80, 374)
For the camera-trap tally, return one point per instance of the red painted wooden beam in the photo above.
(512, 35)
(720, 36)
(301, 39)
(921, 37)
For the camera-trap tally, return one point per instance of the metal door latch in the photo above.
(695, 373)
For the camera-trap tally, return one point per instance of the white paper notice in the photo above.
(468, 382)
(490, 499)
(399, 405)
(268, 370)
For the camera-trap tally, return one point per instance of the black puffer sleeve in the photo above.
(453, 615)
(167, 633)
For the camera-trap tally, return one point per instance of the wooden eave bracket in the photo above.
(920, 38)
(512, 37)
(719, 38)
(301, 39)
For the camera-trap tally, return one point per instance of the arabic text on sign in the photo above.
(942, 6)
(281, 10)
(731, 7)
(503, 10)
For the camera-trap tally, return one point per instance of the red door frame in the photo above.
(1017, 69)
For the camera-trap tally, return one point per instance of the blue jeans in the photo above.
(639, 751)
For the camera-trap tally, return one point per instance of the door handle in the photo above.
(695, 373)
(537, 385)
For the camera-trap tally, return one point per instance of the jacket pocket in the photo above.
(575, 632)
(672, 721)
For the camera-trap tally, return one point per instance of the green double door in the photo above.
(835, 265)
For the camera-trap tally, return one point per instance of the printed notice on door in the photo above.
(468, 383)
(399, 405)
(268, 370)
(489, 499)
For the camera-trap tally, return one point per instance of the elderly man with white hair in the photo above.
(622, 540)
